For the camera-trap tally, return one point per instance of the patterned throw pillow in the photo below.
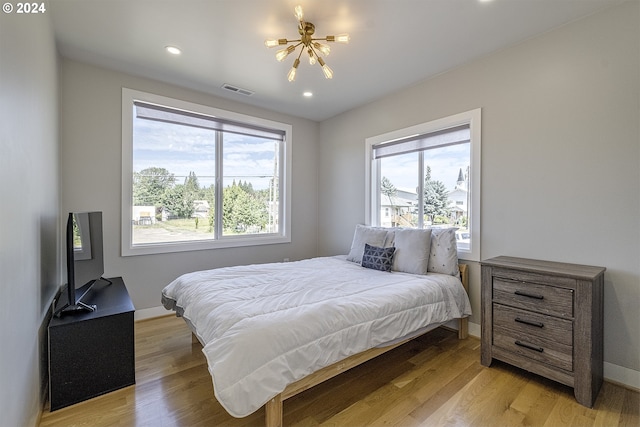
(378, 258)
(443, 256)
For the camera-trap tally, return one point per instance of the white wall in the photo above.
(91, 141)
(560, 158)
(28, 210)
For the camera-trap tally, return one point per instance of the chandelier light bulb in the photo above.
(292, 72)
(341, 38)
(312, 57)
(283, 53)
(298, 13)
(324, 48)
(328, 72)
(274, 42)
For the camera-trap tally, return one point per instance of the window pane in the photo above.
(399, 190)
(445, 195)
(173, 182)
(250, 180)
(446, 189)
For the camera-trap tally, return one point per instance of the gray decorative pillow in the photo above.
(378, 258)
(444, 251)
(375, 236)
(413, 246)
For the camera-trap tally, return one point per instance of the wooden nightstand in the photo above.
(547, 318)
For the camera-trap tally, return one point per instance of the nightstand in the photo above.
(547, 318)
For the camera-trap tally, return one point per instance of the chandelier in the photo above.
(309, 44)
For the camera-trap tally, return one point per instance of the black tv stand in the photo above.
(92, 352)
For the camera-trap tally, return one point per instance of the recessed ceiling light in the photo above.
(307, 94)
(173, 50)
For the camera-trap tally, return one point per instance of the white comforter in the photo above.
(266, 326)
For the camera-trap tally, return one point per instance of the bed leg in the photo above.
(463, 324)
(194, 339)
(463, 328)
(273, 412)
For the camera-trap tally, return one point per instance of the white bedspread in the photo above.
(266, 326)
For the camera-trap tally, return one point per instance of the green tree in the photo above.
(436, 197)
(149, 186)
(178, 201)
(209, 194)
(387, 188)
(192, 186)
(240, 210)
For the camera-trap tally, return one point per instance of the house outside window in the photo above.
(428, 175)
(196, 177)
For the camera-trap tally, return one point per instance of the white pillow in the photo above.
(444, 251)
(412, 250)
(374, 236)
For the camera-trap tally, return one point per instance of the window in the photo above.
(428, 175)
(196, 177)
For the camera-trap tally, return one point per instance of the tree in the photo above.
(178, 202)
(209, 194)
(149, 186)
(240, 210)
(192, 191)
(436, 197)
(388, 189)
(192, 186)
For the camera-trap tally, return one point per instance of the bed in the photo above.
(270, 331)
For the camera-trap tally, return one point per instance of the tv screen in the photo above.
(85, 262)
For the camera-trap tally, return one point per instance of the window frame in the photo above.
(372, 171)
(129, 96)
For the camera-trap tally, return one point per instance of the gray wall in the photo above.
(29, 264)
(560, 157)
(91, 142)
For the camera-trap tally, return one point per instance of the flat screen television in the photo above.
(85, 262)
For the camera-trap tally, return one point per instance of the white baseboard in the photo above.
(613, 373)
(621, 375)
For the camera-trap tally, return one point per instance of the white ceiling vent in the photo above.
(235, 89)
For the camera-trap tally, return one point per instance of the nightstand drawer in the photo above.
(535, 348)
(531, 296)
(526, 323)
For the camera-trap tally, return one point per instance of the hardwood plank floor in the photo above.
(436, 380)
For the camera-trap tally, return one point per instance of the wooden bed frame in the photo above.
(273, 408)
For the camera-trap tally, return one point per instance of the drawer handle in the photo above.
(529, 346)
(524, 294)
(530, 322)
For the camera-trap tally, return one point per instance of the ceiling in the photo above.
(394, 44)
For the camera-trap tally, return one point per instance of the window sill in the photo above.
(199, 245)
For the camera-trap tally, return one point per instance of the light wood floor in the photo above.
(435, 380)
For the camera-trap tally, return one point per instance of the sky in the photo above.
(445, 164)
(185, 149)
